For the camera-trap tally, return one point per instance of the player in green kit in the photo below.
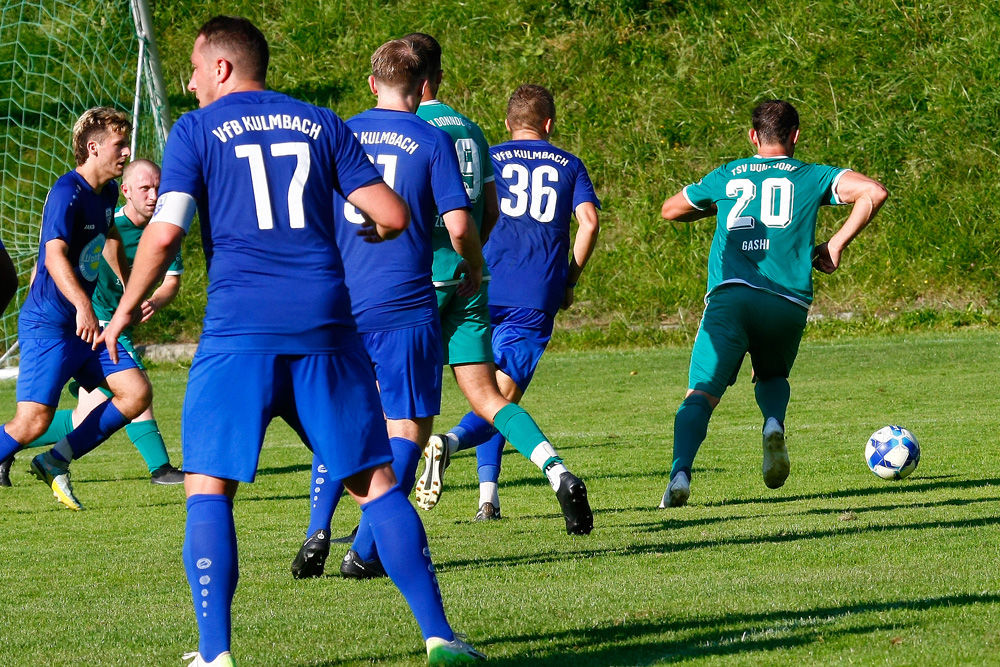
(760, 278)
(140, 185)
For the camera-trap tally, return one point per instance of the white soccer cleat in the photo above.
(442, 653)
(776, 465)
(57, 479)
(678, 491)
(437, 456)
(224, 659)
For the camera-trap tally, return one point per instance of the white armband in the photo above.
(175, 208)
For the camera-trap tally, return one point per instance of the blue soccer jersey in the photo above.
(390, 283)
(538, 188)
(80, 217)
(275, 264)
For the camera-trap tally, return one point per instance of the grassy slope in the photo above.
(654, 94)
(837, 567)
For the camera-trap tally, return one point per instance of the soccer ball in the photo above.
(892, 452)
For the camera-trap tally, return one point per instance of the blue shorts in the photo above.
(408, 367)
(520, 336)
(331, 399)
(48, 363)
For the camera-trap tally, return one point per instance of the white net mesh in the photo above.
(57, 59)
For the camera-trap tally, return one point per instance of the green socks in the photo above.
(523, 434)
(772, 397)
(145, 435)
(690, 428)
(62, 424)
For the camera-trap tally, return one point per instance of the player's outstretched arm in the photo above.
(157, 248)
(386, 214)
(583, 247)
(465, 239)
(867, 195)
(8, 280)
(58, 266)
(680, 209)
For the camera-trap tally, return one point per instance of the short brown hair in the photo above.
(529, 107)
(775, 121)
(241, 42)
(94, 125)
(429, 49)
(399, 63)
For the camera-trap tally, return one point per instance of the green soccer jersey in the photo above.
(766, 224)
(109, 290)
(477, 170)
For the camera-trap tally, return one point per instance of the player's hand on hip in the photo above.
(87, 326)
(825, 258)
(368, 231)
(472, 279)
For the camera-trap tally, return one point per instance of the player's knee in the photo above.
(134, 398)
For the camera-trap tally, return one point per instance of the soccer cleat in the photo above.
(57, 479)
(678, 491)
(311, 559)
(442, 653)
(775, 467)
(167, 475)
(437, 456)
(488, 512)
(572, 495)
(224, 659)
(353, 567)
(5, 470)
(346, 539)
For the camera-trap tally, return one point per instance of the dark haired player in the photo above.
(760, 279)
(279, 339)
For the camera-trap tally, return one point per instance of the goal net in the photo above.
(58, 58)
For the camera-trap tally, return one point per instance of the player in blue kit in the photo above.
(759, 279)
(57, 327)
(539, 188)
(392, 295)
(279, 338)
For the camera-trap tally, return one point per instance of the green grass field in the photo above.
(837, 567)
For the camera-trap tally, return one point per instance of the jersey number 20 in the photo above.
(772, 191)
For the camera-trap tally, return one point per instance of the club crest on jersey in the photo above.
(90, 258)
(109, 215)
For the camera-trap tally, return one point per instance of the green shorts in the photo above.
(465, 325)
(740, 319)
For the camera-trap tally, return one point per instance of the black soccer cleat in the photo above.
(311, 559)
(353, 567)
(346, 539)
(167, 475)
(5, 470)
(572, 495)
(488, 512)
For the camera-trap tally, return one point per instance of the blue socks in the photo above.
(402, 547)
(406, 455)
(472, 431)
(488, 456)
(97, 427)
(212, 570)
(690, 429)
(8, 445)
(325, 494)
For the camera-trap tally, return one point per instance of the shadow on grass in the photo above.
(902, 487)
(642, 641)
(281, 470)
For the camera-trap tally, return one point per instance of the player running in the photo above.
(390, 285)
(57, 327)
(760, 279)
(140, 185)
(539, 187)
(279, 338)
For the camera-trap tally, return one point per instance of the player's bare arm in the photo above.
(114, 255)
(583, 247)
(680, 209)
(157, 248)
(386, 212)
(491, 211)
(162, 296)
(465, 239)
(867, 195)
(58, 266)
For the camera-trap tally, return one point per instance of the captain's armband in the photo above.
(175, 208)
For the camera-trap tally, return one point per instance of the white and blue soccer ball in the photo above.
(892, 452)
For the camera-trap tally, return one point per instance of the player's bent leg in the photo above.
(30, 420)
(210, 562)
(690, 429)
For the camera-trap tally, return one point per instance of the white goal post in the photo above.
(58, 58)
